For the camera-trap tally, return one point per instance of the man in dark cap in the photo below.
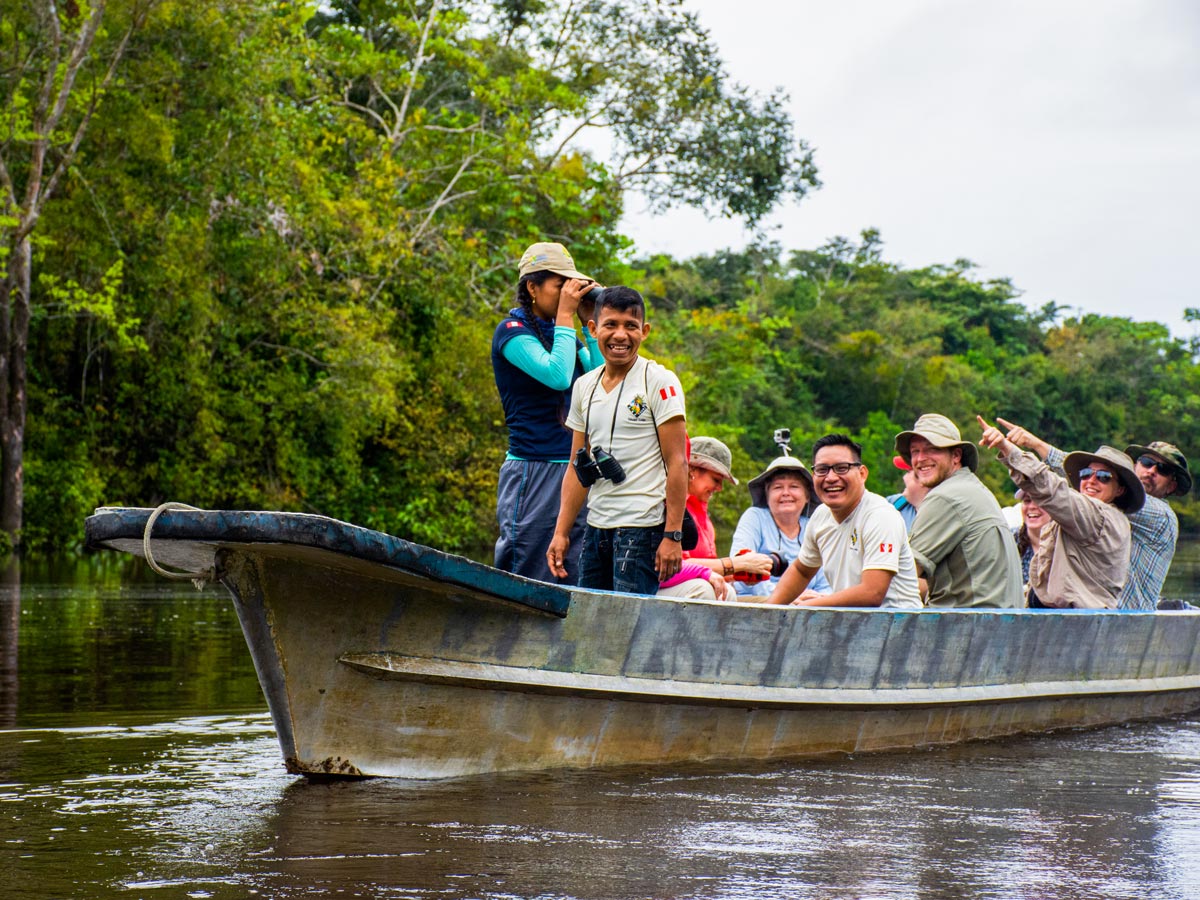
(1163, 471)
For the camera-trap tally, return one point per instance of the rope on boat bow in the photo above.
(199, 579)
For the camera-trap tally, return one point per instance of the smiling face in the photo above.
(619, 334)
(703, 483)
(933, 465)
(841, 493)
(1156, 483)
(787, 495)
(1094, 485)
(1033, 515)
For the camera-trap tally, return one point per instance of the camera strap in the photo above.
(587, 419)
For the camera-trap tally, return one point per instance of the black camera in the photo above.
(590, 470)
(778, 565)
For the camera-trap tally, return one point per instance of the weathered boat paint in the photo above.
(381, 657)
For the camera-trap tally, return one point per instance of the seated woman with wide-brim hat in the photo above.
(781, 498)
(1082, 559)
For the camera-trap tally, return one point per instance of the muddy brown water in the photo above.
(137, 760)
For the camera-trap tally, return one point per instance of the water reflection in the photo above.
(140, 760)
(10, 622)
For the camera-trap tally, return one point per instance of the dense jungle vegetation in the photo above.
(281, 235)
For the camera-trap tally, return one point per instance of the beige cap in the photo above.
(709, 453)
(547, 257)
(940, 432)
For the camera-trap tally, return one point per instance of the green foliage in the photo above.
(271, 275)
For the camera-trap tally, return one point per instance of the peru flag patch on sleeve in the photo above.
(662, 392)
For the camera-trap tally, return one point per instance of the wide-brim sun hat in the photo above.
(940, 432)
(548, 257)
(709, 453)
(1135, 495)
(1170, 454)
(758, 484)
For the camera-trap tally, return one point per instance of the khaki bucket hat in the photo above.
(1170, 454)
(758, 484)
(1134, 496)
(709, 453)
(940, 432)
(548, 257)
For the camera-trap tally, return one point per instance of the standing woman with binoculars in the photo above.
(536, 358)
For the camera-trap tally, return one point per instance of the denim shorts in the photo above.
(620, 559)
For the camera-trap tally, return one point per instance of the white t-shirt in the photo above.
(648, 396)
(871, 537)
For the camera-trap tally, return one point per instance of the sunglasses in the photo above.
(1099, 474)
(1164, 469)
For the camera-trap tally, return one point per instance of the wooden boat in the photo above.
(380, 657)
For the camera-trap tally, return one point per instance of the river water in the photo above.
(137, 760)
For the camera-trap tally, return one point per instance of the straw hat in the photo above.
(940, 432)
(1122, 466)
(709, 453)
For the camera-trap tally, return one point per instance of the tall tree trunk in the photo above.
(14, 333)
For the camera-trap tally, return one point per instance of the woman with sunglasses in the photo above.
(1082, 559)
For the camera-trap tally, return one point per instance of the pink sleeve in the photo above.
(687, 573)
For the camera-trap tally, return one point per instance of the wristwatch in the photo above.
(676, 536)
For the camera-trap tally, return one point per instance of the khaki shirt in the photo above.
(1083, 558)
(964, 548)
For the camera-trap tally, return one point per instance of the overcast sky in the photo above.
(1054, 142)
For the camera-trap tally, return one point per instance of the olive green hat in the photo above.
(1172, 456)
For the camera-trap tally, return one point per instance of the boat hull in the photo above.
(376, 669)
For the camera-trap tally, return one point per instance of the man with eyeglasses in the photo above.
(962, 545)
(1082, 559)
(856, 537)
(1163, 471)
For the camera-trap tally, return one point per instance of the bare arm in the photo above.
(791, 583)
(673, 436)
(869, 592)
(571, 501)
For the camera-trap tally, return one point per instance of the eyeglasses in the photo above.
(1099, 474)
(840, 468)
(1164, 469)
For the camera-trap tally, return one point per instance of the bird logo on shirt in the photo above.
(637, 406)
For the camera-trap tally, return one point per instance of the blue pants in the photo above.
(620, 559)
(526, 510)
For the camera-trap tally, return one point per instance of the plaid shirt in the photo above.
(1154, 531)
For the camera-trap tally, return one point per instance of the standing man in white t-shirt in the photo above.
(631, 412)
(857, 537)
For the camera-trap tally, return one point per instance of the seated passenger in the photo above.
(1029, 535)
(908, 501)
(1083, 557)
(781, 498)
(857, 537)
(708, 470)
(960, 542)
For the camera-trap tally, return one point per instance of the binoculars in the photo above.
(604, 465)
